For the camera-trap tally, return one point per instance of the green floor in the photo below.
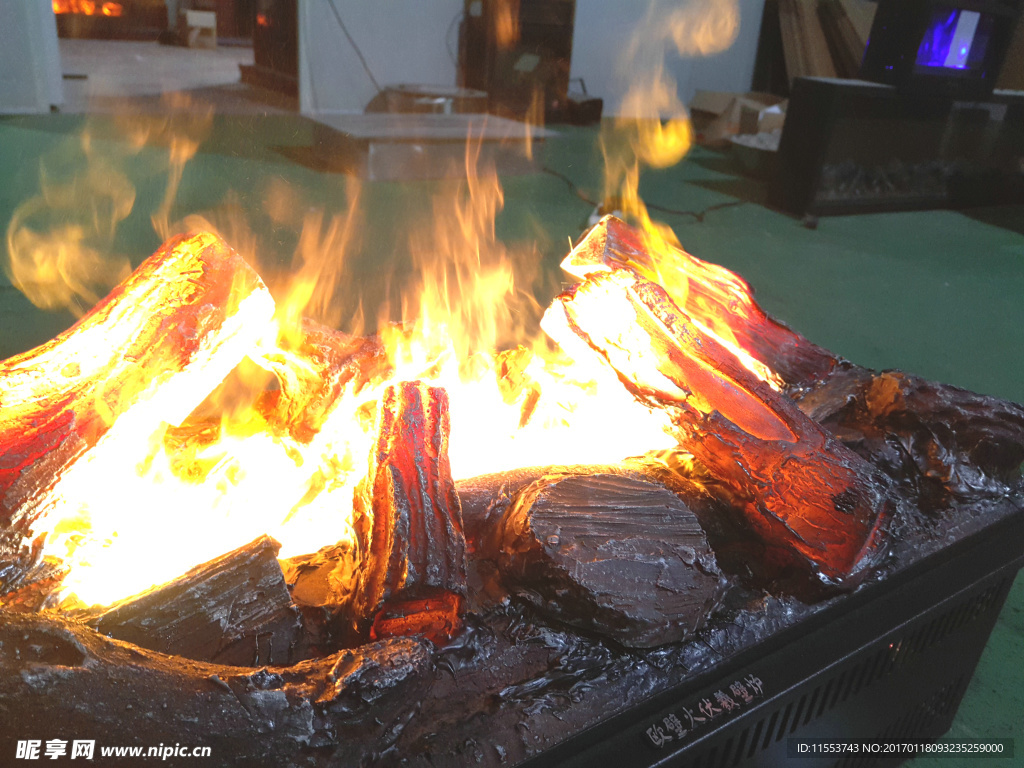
(935, 293)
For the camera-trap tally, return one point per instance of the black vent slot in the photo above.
(790, 716)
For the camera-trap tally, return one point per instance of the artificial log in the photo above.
(739, 551)
(294, 389)
(408, 515)
(322, 586)
(719, 300)
(62, 676)
(324, 578)
(940, 442)
(798, 487)
(486, 498)
(315, 367)
(431, 613)
(148, 353)
(233, 610)
(37, 587)
(610, 554)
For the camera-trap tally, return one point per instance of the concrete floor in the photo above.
(936, 293)
(114, 76)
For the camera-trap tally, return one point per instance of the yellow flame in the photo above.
(653, 127)
(653, 130)
(473, 300)
(197, 488)
(506, 22)
(181, 126)
(59, 242)
(210, 471)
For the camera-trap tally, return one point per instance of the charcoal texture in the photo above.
(233, 610)
(620, 557)
(80, 684)
(941, 443)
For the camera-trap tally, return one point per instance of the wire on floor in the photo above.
(355, 47)
(696, 215)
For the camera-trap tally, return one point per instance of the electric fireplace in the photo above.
(106, 19)
(818, 552)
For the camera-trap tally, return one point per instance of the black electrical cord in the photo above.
(572, 185)
(697, 215)
(355, 47)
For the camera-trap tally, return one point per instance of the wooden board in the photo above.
(844, 40)
(861, 15)
(803, 40)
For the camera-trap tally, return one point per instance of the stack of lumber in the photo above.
(824, 38)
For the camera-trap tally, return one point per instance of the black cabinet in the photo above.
(519, 52)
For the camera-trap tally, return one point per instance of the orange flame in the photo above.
(469, 324)
(88, 8)
(506, 22)
(59, 242)
(653, 130)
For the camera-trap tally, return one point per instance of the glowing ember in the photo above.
(88, 8)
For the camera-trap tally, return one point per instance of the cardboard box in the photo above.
(717, 115)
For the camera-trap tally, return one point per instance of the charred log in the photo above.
(38, 582)
(613, 555)
(940, 442)
(739, 551)
(485, 500)
(233, 610)
(187, 315)
(409, 518)
(351, 705)
(712, 295)
(798, 486)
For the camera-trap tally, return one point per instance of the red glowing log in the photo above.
(435, 614)
(714, 297)
(146, 354)
(408, 515)
(797, 486)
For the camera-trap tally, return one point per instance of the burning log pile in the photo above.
(510, 594)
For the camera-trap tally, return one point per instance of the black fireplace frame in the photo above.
(890, 662)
